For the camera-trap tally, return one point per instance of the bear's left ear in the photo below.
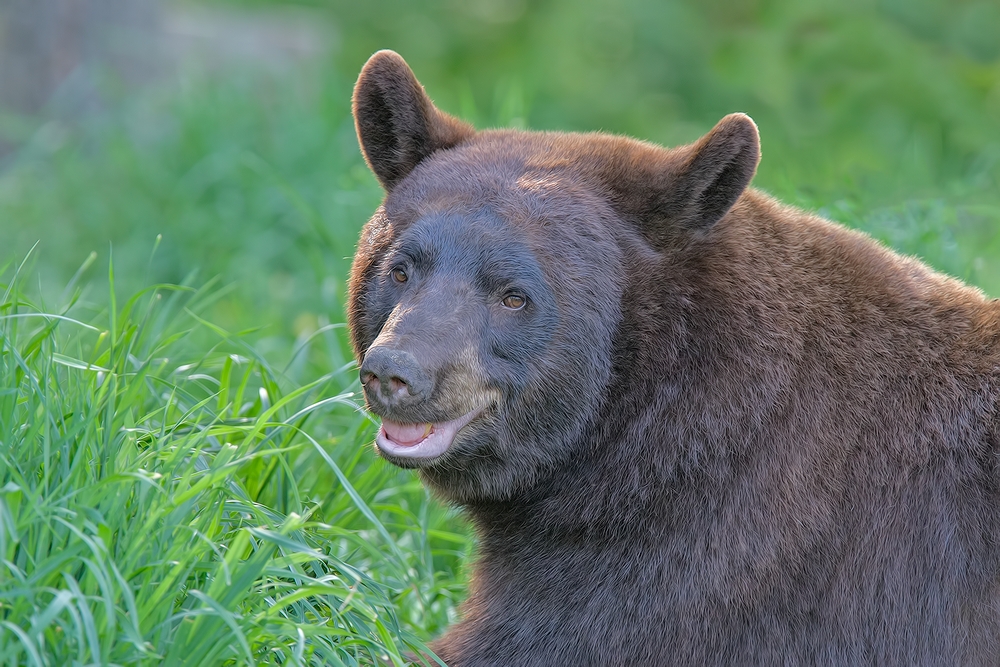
(716, 171)
(397, 124)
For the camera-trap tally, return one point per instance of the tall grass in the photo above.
(152, 508)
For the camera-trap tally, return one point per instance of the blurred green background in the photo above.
(224, 126)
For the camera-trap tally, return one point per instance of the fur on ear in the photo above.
(686, 188)
(719, 169)
(397, 124)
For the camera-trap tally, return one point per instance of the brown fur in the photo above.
(741, 434)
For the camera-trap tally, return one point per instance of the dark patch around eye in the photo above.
(499, 271)
(413, 256)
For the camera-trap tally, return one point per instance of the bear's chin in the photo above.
(415, 445)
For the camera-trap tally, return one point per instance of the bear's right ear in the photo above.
(397, 124)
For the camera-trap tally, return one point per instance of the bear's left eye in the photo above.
(399, 275)
(514, 301)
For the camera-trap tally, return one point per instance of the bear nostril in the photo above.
(394, 376)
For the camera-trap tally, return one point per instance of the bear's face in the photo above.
(487, 291)
(491, 296)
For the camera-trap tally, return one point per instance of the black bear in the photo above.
(691, 425)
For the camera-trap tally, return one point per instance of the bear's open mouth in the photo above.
(420, 441)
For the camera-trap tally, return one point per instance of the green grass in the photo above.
(184, 474)
(154, 504)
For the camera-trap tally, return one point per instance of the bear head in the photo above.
(491, 290)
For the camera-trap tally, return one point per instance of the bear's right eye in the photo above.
(399, 275)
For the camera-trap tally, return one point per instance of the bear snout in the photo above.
(394, 378)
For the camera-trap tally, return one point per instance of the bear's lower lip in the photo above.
(435, 441)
